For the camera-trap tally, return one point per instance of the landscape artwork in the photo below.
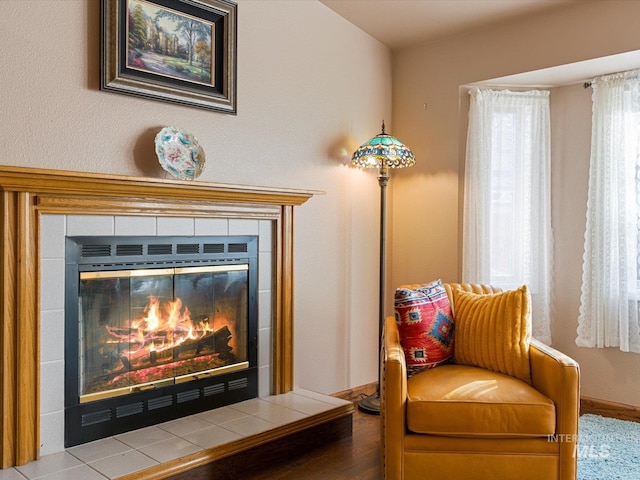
(169, 43)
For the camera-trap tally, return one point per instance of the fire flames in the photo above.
(162, 327)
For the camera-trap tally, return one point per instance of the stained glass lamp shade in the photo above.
(382, 151)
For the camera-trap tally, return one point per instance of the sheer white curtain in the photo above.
(610, 279)
(507, 202)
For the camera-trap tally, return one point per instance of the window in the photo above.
(507, 224)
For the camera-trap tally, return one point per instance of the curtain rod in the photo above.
(635, 74)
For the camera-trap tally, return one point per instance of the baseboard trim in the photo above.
(356, 393)
(607, 408)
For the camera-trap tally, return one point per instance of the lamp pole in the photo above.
(371, 404)
(383, 181)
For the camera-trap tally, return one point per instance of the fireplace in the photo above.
(156, 328)
(34, 264)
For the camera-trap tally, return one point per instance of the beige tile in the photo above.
(48, 464)
(51, 433)
(265, 241)
(264, 381)
(265, 315)
(183, 426)
(300, 403)
(249, 425)
(135, 225)
(53, 401)
(338, 402)
(244, 227)
(220, 415)
(280, 415)
(211, 226)
(52, 270)
(11, 474)
(269, 411)
(170, 449)
(123, 464)
(77, 473)
(52, 335)
(212, 437)
(265, 278)
(89, 225)
(52, 236)
(99, 449)
(144, 436)
(175, 226)
(253, 406)
(264, 346)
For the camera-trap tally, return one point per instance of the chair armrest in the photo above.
(558, 377)
(393, 399)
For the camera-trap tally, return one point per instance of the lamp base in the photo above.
(370, 404)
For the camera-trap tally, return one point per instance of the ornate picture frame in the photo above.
(178, 51)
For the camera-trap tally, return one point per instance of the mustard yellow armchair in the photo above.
(460, 422)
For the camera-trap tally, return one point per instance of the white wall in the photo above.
(427, 224)
(311, 88)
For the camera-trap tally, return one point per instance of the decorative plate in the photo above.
(179, 153)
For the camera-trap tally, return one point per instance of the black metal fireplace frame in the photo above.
(85, 422)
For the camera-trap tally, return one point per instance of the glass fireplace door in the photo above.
(142, 329)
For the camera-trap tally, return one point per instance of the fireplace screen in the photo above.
(142, 329)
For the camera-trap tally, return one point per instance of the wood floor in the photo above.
(355, 457)
(309, 457)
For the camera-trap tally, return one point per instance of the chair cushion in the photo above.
(425, 325)
(459, 400)
(493, 331)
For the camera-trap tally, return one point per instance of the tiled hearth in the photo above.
(134, 452)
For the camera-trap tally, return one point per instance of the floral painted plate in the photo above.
(179, 153)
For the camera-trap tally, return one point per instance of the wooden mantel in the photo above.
(28, 193)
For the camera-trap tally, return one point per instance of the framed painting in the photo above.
(179, 51)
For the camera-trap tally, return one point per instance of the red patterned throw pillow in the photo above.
(425, 324)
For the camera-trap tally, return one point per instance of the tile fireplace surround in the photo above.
(32, 197)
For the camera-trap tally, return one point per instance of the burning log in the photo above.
(160, 372)
(211, 343)
(191, 356)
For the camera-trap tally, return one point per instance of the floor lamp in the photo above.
(382, 152)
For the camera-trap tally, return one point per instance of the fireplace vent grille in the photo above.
(187, 248)
(237, 248)
(238, 384)
(96, 251)
(160, 402)
(119, 247)
(129, 409)
(93, 418)
(213, 248)
(188, 395)
(160, 249)
(213, 390)
(124, 250)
